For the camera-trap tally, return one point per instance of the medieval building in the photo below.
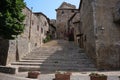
(95, 27)
(52, 29)
(36, 27)
(99, 32)
(74, 23)
(64, 12)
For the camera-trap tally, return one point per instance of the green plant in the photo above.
(11, 18)
(96, 75)
(48, 38)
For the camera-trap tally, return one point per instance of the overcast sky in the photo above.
(48, 6)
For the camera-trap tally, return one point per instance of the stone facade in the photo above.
(64, 12)
(74, 23)
(32, 37)
(53, 29)
(44, 21)
(101, 35)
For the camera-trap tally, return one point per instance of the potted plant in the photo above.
(62, 76)
(96, 76)
(33, 74)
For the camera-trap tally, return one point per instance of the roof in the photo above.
(40, 13)
(66, 5)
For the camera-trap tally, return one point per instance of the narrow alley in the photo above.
(56, 55)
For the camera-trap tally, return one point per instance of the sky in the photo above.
(48, 7)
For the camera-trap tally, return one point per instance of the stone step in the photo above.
(79, 61)
(57, 54)
(48, 61)
(53, 68)
(51, 64)
(56, 61)
(54, 58)
(65, 55)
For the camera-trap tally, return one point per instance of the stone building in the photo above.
(74, 23)
(45, 25)
(32, 38)
(64, 12)
(100, 31)
(53, 29)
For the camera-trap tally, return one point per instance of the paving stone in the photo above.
(56, 55)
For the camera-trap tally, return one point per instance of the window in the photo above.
(62, 12)
(32, 22)
(119, 10)
(45, 23)
(37, 27)
(41, 30)
(72, 11)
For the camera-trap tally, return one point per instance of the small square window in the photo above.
(119, 10)
(32, 22)
(72, 11)
(41, 30)
(62, 12)
(38, 28)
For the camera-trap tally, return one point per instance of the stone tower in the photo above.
(64, 12)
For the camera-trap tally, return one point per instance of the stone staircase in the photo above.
(55, 56)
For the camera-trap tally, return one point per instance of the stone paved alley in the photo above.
(56, 55)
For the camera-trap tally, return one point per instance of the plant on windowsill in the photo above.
(62, 75)
(96, 76)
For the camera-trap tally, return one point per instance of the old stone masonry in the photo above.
(79, 41)
(56, 56)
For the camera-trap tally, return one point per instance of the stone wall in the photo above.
(30, 39)
(101, 34)
(74, 22)
(108, 35)
(44, 23)
(87, 28)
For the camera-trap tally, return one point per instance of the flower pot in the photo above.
(65, 76)
(33, 74)
(98, 77)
